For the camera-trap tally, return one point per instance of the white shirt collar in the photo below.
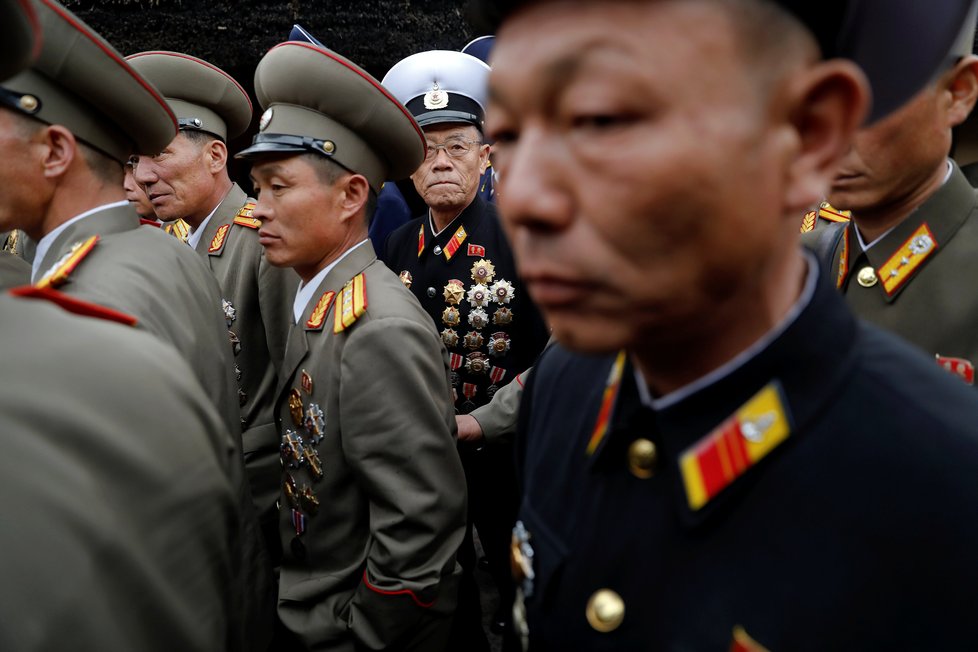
(45, 243)
(431, 223)
(307, 290)
(194, 238)
(741, 358)
(859, 236)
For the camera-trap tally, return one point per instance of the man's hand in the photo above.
(468, 428)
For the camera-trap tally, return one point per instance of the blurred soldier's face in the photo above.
(179, 181)
(641, 179)
(136, 195)
(447, 183)
(304, 223)
(22, 188)
(902, 155)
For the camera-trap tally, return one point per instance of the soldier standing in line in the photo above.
(189, 181)
(458, 263)
(717, 455)
(373, 493)
(906, 259)
(68, 124)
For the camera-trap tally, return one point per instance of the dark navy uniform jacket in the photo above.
(407, 250)
(857, 532)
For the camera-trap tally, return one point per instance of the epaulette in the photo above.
(217, 242)
(898, 269)
(74, 305)
(827, 212)
(178, 229)
(244, 218)
(60, 271)
(352, 303)
(714, 462)
(318, 316)
(144, 222)
(808, 222)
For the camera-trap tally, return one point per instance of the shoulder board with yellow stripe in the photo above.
(318, 316)
(898, 269)
(244, 218)
(714, 462)
(217, 243)
(827, 212)
(351, 304)
(60, 271)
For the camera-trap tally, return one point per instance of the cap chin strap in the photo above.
(21, 102)
(194, 124)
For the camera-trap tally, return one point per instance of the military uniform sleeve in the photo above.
(498, 417)
(397, 436)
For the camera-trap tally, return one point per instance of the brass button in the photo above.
(642, 456)
(867, 277)
(605, 610)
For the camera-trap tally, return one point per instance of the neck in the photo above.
(874, 221)
(352, 239)
(668, 362)
(73, 199)
(221, 189)
(442, 218)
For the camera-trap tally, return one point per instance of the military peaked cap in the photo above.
(203, 97)
(20, 36)
(318, 101)
(441, 86)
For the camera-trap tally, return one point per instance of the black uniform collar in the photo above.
(806, 363)
(469, 220)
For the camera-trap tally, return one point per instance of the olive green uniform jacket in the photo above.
(14, 271)
(117, 517)
(375, 562)
(258, 313)
(931, 299)
(141, 271)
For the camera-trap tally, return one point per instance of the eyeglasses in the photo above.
(456, 148)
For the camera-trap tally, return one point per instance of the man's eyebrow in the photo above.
(558, 73)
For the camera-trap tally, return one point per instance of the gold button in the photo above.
(329, 147)
(28, 103)
(605, 610)
(642, 456)
(867, 277)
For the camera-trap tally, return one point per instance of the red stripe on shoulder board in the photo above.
(373, 588)
(73, 305)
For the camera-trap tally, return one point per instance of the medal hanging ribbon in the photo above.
(420, 240)
(469, 389)
(298, 522)
(496, 374)
(455, 360)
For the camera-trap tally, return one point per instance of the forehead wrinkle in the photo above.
(558, 74)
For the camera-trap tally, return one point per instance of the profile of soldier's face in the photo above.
(21, 190)
(180, 180)
(635, 157)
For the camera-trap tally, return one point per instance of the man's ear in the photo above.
(484, 151)
(827, 104)
(217, 156)
(353, 197)
(60, 149)
(961, 85)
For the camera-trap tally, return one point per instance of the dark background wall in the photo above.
(233, 35)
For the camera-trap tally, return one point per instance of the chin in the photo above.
(593, 337)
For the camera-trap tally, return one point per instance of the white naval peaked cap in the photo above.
(441, 86)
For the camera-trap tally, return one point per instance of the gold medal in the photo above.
(406, 278)
(290, 490)
(295, 407)
(310, 502)
(291, 449)
(450, 316)
(483, 271)
(502, 317)
(498, 344)
(306, 382)
(312, 459)
(454, 292)
(450, 338)
(473, 340)
(476, 363)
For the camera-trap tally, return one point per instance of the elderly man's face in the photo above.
(638, 177)
(178, 181)
(448, 183)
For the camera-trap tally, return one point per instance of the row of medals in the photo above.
(230, 314)
(298, 450)
(481, 297)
